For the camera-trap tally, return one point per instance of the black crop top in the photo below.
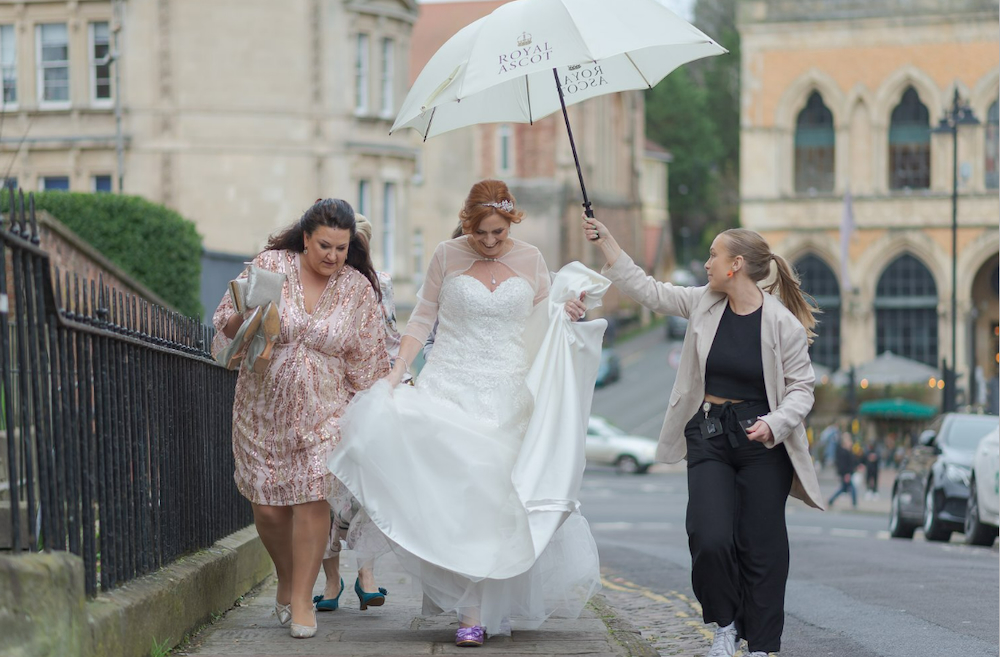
(734, 368)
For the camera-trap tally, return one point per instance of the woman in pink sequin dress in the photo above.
(286, 420)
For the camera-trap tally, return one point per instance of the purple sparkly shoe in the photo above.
(470, 637)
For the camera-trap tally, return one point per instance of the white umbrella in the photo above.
(531, 58)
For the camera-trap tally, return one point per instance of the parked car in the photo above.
(676, 327)
(608, 445)
(609, 370)
(931, 489)
(982, 513)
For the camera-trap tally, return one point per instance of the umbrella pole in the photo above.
(572, 143)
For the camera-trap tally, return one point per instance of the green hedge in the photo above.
(157, 246)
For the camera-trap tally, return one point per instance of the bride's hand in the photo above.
(395, 376)
(576, 308)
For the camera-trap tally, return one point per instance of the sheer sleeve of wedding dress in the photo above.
(454, 257)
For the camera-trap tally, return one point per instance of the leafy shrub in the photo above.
(157, 246)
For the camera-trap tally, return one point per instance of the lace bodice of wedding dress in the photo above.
(479, 361)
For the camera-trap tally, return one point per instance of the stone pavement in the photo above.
(397, 629)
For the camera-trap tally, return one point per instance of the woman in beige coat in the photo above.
(743, 388)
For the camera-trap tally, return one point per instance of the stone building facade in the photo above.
(838, 104)
(236, 113)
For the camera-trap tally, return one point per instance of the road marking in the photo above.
(804, 529)
(849, 533)
(611, 526)
(883, 535)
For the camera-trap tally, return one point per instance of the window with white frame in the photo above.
(418, 256)
(54, 184)
(100, 63)
(505, 148)
(361, 75)
(52, 51)
(101, 183)
(388, 226)
(388, 76)
(8, 64)
(364, 198)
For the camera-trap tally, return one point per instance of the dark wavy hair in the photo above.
(333, 213)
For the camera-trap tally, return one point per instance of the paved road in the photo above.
(852, 590)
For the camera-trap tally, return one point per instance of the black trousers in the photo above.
(736, 528)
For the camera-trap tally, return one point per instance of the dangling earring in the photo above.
(305, 250)
(729, 274)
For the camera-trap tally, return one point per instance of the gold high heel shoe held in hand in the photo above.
(271, 328)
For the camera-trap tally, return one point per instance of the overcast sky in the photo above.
(682, 8)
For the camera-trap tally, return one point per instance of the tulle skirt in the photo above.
(436, 481)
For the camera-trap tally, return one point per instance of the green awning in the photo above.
(896, 409)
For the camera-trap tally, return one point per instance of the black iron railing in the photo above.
(116, 419)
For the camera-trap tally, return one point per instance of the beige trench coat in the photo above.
(788, 373)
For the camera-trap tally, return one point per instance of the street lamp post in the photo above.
(959, 114)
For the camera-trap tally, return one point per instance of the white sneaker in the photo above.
(724, 644)
(755, 653)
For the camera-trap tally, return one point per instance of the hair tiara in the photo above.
(504, 205)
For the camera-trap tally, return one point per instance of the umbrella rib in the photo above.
(637, 70)
(527, 88)
(430, 122)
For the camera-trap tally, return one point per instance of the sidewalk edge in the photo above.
(624, 634)
(169, 604)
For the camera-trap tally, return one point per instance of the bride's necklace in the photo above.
(493, 279)
(487, 260)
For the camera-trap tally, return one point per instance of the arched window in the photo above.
(819, 281)
(814, 147)
(906, 320)
(992, 149)
(910, 144)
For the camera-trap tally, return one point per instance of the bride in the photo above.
(473, 474)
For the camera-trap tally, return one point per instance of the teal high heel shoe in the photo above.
(322, 604)
(376, 599)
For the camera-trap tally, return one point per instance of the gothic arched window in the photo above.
(814, 147)
(910, 144)
(819, 281)
(906, 321)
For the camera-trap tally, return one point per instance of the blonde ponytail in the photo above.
(786, 287)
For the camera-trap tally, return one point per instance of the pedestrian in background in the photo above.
(744, 387)
(349, 523)
(285, 420)
(873, 457)
(847, 464)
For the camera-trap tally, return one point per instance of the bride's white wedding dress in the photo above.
(473, 473)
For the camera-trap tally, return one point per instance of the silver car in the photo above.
(609, 445)
(982, 512)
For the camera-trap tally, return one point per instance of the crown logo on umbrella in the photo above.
(524, 40)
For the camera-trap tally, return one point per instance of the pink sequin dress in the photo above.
(287, 420)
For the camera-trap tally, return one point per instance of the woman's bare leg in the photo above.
(309, 536)
(274, 526)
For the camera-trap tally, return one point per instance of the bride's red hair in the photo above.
(477, 205)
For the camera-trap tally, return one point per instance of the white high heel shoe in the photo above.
(283, 612)
(303, 631)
